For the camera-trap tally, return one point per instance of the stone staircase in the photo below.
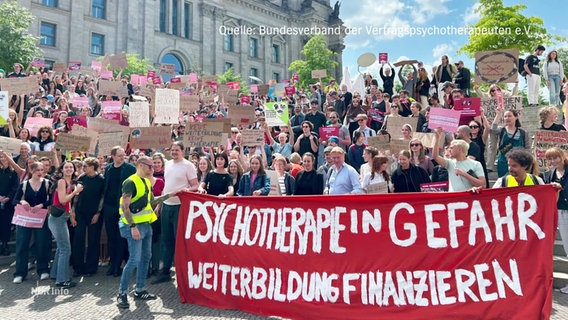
(560, 262)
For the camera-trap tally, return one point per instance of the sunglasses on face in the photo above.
(474, 127)
(44, 131)
(416, 145)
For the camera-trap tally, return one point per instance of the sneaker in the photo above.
(18, 279)
(162, 278)
(66, 284)
(563, 290)
(30, 265)
(13, 264)
(144, 295)
(44, 276)
(122, 301)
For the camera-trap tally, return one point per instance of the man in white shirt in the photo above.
(463, 172)
(179, 174)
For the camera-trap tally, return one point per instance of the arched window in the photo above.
(171, 58)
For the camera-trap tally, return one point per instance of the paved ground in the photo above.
(94, 298)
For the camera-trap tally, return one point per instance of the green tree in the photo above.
(521, 32)
(136, 65)
(231, 76)
(16, 43)
(317, 57)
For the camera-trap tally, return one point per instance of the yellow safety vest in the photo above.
(146, 214)
(512, 182)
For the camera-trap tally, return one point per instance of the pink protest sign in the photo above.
(80, 102)
(74, 65)
(245, 99)
(383, 57)
(38, 62)
(499, 96)
(151, 73)
(254, 88)
(106, 74)
(290, 90)
(233, 85)
(34, 123)
(157, 80)
(447, 119)
(326, 132)
(135, 79)
(33, 218)
(192, 78)
(96, 65)
(468, 106)
(295, 77)
(142, 79)
(111, 110)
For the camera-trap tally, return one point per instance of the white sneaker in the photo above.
(564, 290)
(13, 264)
(44, 276)
(18, 279)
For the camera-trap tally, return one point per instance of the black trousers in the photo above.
(6, 215)
(92, 234)
(116, 244)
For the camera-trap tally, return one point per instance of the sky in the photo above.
(372, 15)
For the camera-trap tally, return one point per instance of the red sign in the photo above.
(245, 99)
(74, 65)
(175, 80)
(395, 256)
(326, 132)
(151, 73)
(290, 90)
(78, 120)
(468, 106)
(383, 57)
(295, 78)
(233, 85)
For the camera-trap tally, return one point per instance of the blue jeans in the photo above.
(554, 89)
(169, 216)
(60, 231)
(140, 252)
(42, 239)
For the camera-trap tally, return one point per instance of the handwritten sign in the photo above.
(118, 61)
(150, 137)
(509, 103)
(252, 137)
(168, 68)
(262, 89)
(447, 119)
(166, 106)
(86, 132)
(381, 187)
(112, 88)
(38, 62)
(204, 134)
(396, 146)
(496, 66)
(188, 102)
(428, 138)
(139, 115)
(73, 142)
(18, 86)
(33, 218)
(394, 125)
(545, 139)
(10, 145)
(241, 114)
(381, 142)
(318, 74)
(108, 140)
(60, 67)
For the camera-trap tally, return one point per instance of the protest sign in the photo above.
(435, 186)
(167, 68)
(441, 253)
(383, 57)
(231, 97)
(188, 102)
(101, 125)
(204, 134)
(4, 107)
(252, 137)
(32, 218)
(404, 62)
(86, 132)
(86, 71)
(394, 125)
(279, 90)
(274, 185)
(397, 145)
(226, 123)
(509, 103)
(276, 113)
(468, 106)
(326, 132)
(380, 187)
(254, 88)
(290, 90)
(150, 137)
(496, 66)
(34, 123)
(193, 78)
(118, 61)
(111, 110)
(546, 139)
(166, 106)
(112, 88)
(59, 67)
(74, 65)
(19, 86)
(318, 74)
(38, 62)
(10, 145)
(80, 102)
(74, 142)
(245, 100)
(447, 119)
(106, 75)
(428, 138)
(76, 121)
(46, 154)
(241, 114)
(96, 65)
(108, 140)
(262, 89)
(381, 142)
(139, 114)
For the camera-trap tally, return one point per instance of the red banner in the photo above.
(396, 256)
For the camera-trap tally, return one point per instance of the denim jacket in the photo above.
(261, 183)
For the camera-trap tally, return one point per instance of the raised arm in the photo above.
(435, 150)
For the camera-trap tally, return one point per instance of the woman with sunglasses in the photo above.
(419, 157)
(44, 140)
(480, 130)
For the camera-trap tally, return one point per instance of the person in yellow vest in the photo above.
(136, 215)
(521, 164)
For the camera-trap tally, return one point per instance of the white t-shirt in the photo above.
(365, 168)
(176, 177)
(460, 183)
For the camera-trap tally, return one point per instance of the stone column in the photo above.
(208, 37)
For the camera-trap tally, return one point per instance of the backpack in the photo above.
(522, 70)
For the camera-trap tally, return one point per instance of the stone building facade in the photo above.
(196, 35)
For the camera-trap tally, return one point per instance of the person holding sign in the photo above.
(463, 172)
(378, 173)
(408, 177)
(33, 195)
(558, 162)
(510, 136)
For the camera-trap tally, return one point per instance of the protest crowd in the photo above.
(102, 155)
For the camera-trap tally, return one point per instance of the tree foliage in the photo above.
(16, 43)
(317, 57)
(136, 65)
(518, 31)
(231, 76)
